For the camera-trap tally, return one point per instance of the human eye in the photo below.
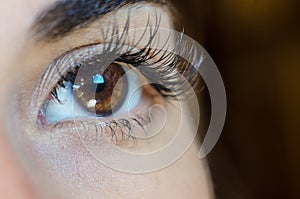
(99, 89)
(115, 89)
(92, 88)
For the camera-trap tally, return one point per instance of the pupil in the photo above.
(99, 88)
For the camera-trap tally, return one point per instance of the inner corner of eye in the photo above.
(93, 93)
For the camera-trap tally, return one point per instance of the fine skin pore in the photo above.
(65, 168)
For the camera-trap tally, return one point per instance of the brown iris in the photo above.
(101, 92)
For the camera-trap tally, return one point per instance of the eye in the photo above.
(116, 90)
(108, 88)
(92, 90)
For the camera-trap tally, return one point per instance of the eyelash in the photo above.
(168, 62)
(116, 130)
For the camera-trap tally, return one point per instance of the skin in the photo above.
(61, 167)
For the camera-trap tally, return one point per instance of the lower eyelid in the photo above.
(118, 130)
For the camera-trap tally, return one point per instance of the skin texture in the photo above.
(61, 167)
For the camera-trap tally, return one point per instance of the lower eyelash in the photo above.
(116, 131)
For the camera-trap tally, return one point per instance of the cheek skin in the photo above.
(61, 167)
(16, 17)
(67, 170)
(13, 183)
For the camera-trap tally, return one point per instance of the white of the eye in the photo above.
(55, 112)
(71, 109)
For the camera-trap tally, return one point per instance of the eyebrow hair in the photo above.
(68, 15)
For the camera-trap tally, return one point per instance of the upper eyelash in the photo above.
(171, 62)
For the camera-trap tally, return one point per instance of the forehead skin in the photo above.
(16, 18)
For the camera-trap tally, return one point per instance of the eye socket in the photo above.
(105, 80)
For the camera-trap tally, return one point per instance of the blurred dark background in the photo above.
(256, 45)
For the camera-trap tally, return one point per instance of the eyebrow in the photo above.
(65, 16)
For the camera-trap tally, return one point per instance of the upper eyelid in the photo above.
(73, 52)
